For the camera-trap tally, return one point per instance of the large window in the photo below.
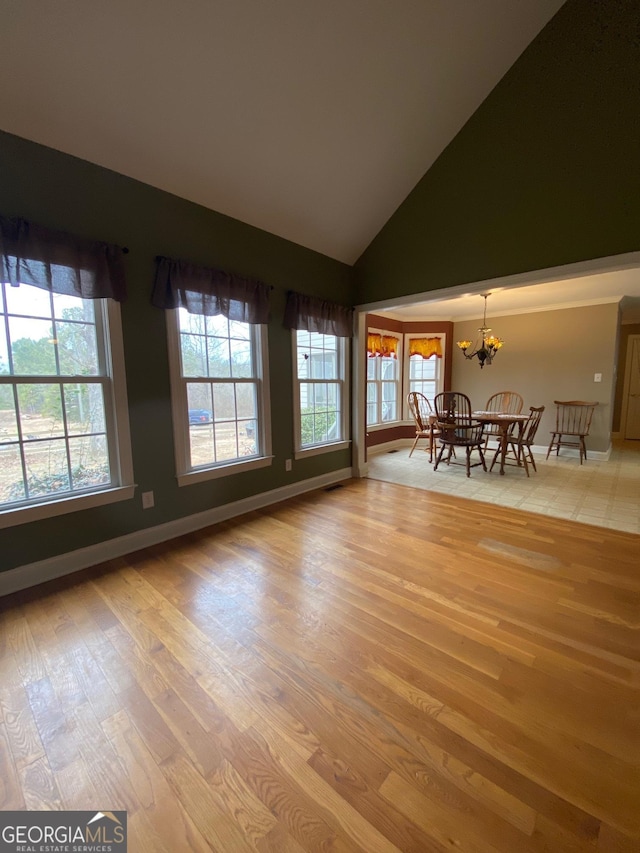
(219, 370)
(383, 378)
(423, 357)
(320, 376)
(63, 427)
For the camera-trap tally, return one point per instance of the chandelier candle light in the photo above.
(490, 344)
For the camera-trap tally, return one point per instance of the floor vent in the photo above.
(333, 488)
(392, 451)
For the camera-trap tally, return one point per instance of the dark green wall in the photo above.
(546, 172)
(63, 192)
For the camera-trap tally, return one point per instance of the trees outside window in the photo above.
(218, 387)
(320, 379)
(59, 428)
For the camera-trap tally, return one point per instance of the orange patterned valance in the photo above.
(384, 345)
(426, 347)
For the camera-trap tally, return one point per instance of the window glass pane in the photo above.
(371, 367)
(199, 402)
(371, 414)
(388, 368)
(66, 307)
(193, 352)
(28, 300)
(217, 326)
(201, 444)
(226, 441)
(40, 411)
(89, 461)
(218, 357)
(32, 347)
(241, 358)
(11, 479)
(4, 350)
(77, 348)
(8, 419)
(224, 403)
(47, 471)
(84, 408)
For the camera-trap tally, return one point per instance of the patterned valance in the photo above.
(382, 345)
(426, 347)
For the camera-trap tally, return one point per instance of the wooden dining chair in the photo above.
(573, 421)
(504, 401)
(458, 429)
(420, 408)
(520, 441)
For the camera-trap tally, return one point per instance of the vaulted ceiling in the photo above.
(310, 119)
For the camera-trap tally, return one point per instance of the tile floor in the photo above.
(606, 494)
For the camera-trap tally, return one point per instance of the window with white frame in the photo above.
(218, 387)
(424, 364)
(321, 390)
(63, 422)
(383, 377)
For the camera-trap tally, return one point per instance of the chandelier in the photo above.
(490, 344)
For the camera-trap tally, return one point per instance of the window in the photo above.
(321, 391)
(218, 387)
(424, 365)
(383, 378)
(63, 422)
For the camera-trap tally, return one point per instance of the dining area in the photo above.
(601, 492)
(499, 434)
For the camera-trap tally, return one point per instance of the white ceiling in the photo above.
(311, 119)
(552, 292)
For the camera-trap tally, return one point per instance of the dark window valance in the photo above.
(318, 315)
(60, 262)
(203, 290)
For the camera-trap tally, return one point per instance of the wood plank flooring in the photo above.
(370, 668)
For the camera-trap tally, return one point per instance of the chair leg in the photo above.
(551, 445)
(531, 459)
(468, 461)
(439, 456)
(484, 464)
(583, 449)
(414, 445)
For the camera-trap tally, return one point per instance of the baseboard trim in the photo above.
(33, 574)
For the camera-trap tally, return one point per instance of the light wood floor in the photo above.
(370, 668)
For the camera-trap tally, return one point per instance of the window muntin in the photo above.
(57, 421)
(320, 379)
(220, 393)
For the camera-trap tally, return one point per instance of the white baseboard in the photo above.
(33, 574)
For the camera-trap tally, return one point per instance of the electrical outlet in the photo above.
(147, 500)
(287, 464)
(597, 377)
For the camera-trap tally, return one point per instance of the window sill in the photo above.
(62, 506)
(235, 467)
(321, 448)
